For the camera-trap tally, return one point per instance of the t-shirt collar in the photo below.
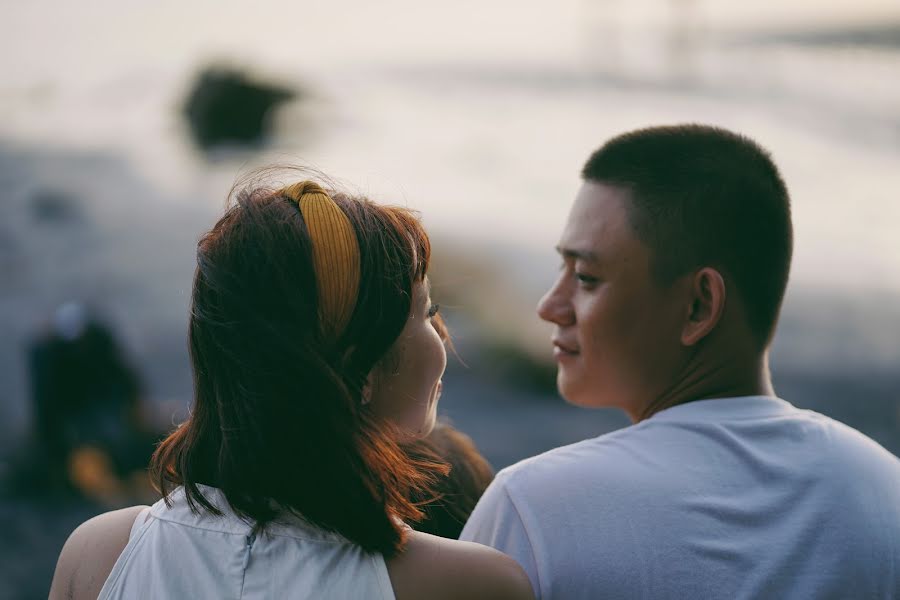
(738, 407)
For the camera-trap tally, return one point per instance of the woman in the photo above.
(315, 352)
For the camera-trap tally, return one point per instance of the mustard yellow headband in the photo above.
(335, 254)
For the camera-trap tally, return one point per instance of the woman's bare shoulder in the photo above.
(90, 553)
(434, 567)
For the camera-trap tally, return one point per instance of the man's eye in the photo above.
(433, 310)
(586, 279)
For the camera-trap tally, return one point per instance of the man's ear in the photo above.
(706, 305)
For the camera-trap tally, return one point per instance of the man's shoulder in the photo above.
(849, 446)
(601, 456)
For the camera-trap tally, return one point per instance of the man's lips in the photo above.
(563, 349)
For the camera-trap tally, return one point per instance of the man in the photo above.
(675, 259)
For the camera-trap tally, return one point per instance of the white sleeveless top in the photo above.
(174, 553)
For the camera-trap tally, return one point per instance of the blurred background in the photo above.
(124, 125)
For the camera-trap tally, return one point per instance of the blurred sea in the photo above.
(479, 115)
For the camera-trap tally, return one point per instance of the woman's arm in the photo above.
(90, 553)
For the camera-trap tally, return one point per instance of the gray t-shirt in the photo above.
(729, 498)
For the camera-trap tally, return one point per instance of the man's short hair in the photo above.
(704, 196)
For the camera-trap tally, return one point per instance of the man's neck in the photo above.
(704, 380)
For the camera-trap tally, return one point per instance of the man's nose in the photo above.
(555, 306)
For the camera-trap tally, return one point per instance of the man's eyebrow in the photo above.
(578, 254)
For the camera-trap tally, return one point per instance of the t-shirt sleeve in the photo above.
(496, 522)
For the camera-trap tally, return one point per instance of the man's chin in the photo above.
(570, 392)
(579, 394)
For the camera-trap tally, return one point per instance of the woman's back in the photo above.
(176, 553)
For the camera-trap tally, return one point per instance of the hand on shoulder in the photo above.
(90, 553)
(442, 569)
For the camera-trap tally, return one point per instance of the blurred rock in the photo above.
(55, 207)
(226, 107)
(878, 35)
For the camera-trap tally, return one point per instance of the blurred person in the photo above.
(675, 258)
(88, 431)
(315, 354)
(457, 492)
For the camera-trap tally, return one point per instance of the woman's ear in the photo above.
(370, 378)
(367, 389)
(706, 305)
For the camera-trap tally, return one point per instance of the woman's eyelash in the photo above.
(433, 310)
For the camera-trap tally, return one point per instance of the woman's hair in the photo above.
(455, 494)
(278, 422)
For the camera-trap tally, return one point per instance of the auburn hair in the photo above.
(458, 492)
(278, 423)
